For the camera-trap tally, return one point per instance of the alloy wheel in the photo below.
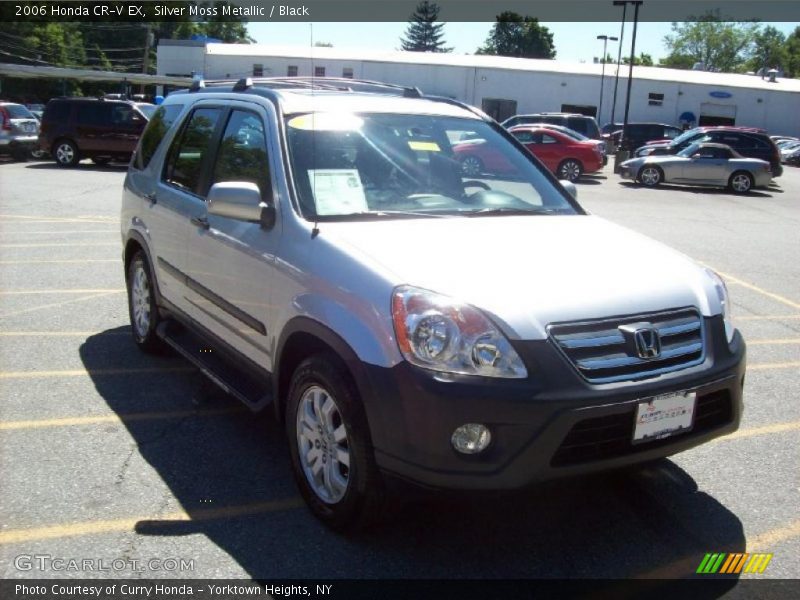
(65, 153)
(570, 171)
(140, 300)
(741, 183)
(650, 176)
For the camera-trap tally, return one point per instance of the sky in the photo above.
(573, 41)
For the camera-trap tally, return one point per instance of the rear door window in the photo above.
(94, 114)
(577, 124)
(189, 151)
(57, 111)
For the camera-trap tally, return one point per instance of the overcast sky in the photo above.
(574, 41)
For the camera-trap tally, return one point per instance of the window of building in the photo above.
(319, 71)
(258, 70)
(654, 99)
(347, 73)
(291, 71)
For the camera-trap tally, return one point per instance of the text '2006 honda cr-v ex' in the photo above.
(405, 320)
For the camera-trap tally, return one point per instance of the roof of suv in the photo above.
(301, 95)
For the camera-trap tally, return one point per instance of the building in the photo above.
(504, 86)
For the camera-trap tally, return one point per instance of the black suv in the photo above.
(581, 123)
(748, 143)
(103, 130)
(641, 133)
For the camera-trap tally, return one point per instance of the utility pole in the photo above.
(148, 41)
(619, 57)
(605, 39)
(636, 5)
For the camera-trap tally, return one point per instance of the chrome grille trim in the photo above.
(598, 350)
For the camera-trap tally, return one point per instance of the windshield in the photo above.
(349, 166)
(689, 150)
(685, 136)
(147, 110)
(17, 111)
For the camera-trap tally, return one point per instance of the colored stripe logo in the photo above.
(735, 563)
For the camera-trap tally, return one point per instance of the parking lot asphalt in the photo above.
(106, 453)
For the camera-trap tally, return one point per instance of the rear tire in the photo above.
(570, 169)
(332, 455)
(66, 153)
(741, 182)
(142, 307)
(650, 175)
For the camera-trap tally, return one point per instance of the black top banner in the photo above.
(143, 11)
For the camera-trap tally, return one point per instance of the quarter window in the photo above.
(242, 153)
(189, 151)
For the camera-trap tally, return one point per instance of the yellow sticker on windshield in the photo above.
(424, 146)
(326, 122)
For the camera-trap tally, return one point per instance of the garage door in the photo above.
(717, 114)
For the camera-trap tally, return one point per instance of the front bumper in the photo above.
(552, 425)
(18, 143)
(628, 172)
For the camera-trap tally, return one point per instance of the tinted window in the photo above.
(526, 137)
(162, 120)
(548, 139)
(578, 125)
(95, 113)
(57, 111)
(17, 111)
(242, 153)
(189, 150)
(729, 139)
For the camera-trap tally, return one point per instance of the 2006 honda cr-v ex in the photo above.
(405, 320)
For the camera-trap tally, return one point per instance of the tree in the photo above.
(515, 35)
(644, 60)
(719, 45)
(424, 34)
(792, 52)
(769, 50)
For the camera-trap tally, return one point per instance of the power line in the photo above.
(87, 49)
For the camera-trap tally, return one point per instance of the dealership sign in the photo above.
(720, 94)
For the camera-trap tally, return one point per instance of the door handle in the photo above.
(200, 222)
(151, 198)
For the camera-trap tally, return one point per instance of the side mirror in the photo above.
(570, 187)
(240, 200)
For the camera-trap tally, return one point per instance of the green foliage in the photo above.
(792, 53)
(769, 49)
(644, 60)
(424, 33)
(515, 35)
(719, 45)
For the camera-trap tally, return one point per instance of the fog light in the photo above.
(471, 438)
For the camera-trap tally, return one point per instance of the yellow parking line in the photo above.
(91, 372)
(63, 291)
(60, 262)
(777, 342)
(750, 286)
(57, 232)
(767, 318)
(116, 419)
(60, 245)
(24, 311)
(16, 536)
(765, 542)
(60, 333)
(59, 221)
(764, 430)
(770, 366)
(80, 218)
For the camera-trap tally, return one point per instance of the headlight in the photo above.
(724, 300)
(438, 333)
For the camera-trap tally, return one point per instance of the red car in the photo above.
(566, 157)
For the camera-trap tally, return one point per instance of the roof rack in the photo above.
(197, 85)
(343, 84)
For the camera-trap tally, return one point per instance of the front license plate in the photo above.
(663, 416)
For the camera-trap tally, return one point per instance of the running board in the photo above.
(253, 393)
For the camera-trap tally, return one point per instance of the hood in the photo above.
(528, 272)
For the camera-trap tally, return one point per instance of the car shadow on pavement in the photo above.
(666, 187)
(81, 166)
(230, 473)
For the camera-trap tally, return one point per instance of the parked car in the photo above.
(19, 130)
(583, 124)
(700, 164)
(641, 133)
(565, 156)
(792, 158)
(103, 130)
(322, 256)
(748, 142)
(601, 144)
(788, 151)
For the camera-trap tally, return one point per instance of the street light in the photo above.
(623, 153)
(605, 39)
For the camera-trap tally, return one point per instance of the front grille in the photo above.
(601, 353)
(611, 436)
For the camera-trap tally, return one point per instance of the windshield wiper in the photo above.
(506, 210)
(376, 214)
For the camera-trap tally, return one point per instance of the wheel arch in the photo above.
(133, 244)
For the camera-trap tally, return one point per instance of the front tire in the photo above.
(570, 169)
(741, 182)
(66, 153)
(142, 307)
(332, 455)
(651, 176)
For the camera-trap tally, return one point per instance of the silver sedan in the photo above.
(700, 164)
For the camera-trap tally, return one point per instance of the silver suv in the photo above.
(314, 248)
(19, 131)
